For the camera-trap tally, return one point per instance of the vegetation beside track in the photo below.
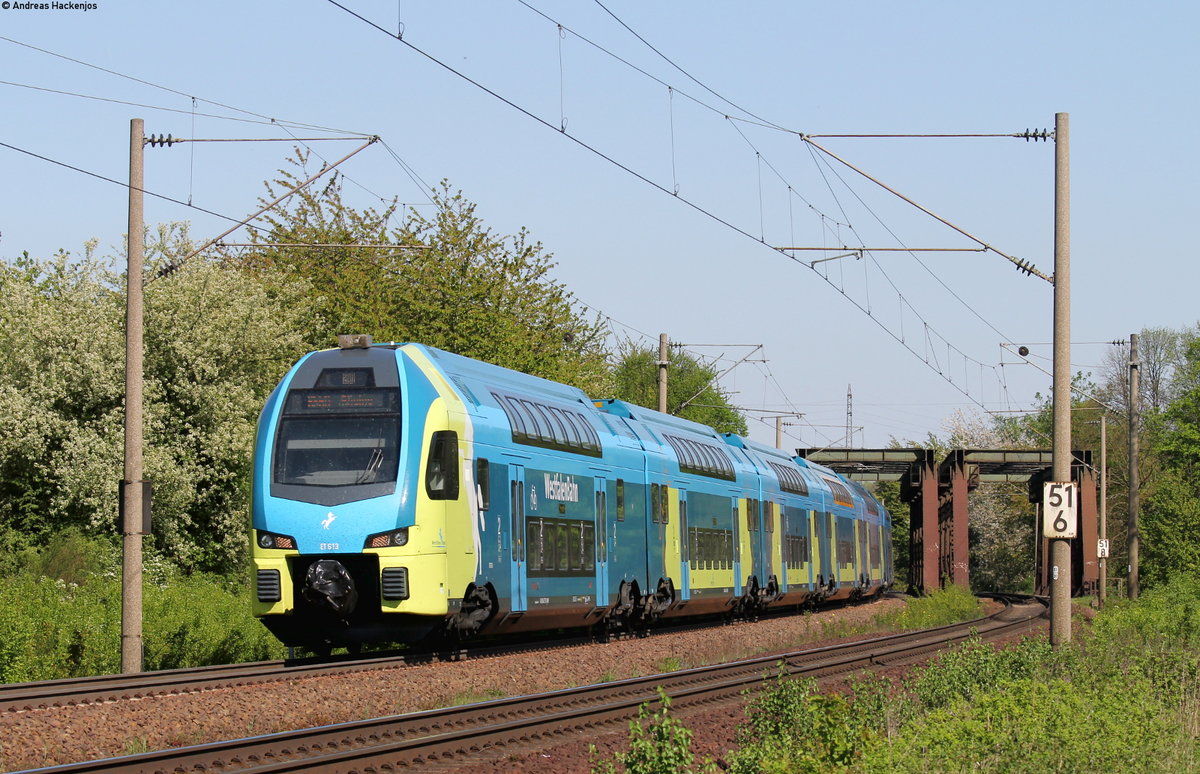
(1125, 696)
(62, 615)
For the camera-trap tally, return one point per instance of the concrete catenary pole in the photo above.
(1135, 408)
(662, 372)
(1060, 548)
(131, 485)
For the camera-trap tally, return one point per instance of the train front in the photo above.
(338, 555)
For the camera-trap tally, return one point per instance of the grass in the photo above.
(1125, 696)
(471, 697)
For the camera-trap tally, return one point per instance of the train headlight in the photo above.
(272, 540)
(396, 537)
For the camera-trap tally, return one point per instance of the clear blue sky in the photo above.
(650, 261)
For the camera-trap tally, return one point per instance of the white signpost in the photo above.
(1102, 548)
(1060, 509)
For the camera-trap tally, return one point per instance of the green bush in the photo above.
(50, 628)
(792, 728)
(658, 744)
(53, 626)
(976, 667)
(200, 619)
(949, 605)
(1036, 725)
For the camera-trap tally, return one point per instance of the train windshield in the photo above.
(338, 438)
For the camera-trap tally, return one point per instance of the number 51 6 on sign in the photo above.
(1060, 507)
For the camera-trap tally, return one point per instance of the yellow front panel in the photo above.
(274, 560)
(427, 583)
(448, 524)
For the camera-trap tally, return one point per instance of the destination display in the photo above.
(343, 402)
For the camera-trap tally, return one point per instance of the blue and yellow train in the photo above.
(402, 492)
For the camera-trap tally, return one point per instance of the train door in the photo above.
(656, 542)
(737, 548)
(771, 541)
(685, 548)
(864, 550)
(602, 544)
(518, 569)
(754, 530)
(824, 541)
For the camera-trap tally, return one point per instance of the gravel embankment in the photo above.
(34, 738)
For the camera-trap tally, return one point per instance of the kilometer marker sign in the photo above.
(1060, 509)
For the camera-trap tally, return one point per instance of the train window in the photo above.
(570, 431)
(537, 432)
(655, 505)
(841, 495)
(592, 441)
(664, 509)
(533, 539)
(710, 458)
(562, 548)
(683, 527)
(602, 524)
(700, 458)
(845, 540)
(575, 546)
(790, 479)
(620, 499)
(557, 431)
(330, 438)
(771, 510)
(346, 377)
(737, 527)
(441, 469)
(589, 548)
(512, 409)
(552, 427)
(514, 511)
(551, 432)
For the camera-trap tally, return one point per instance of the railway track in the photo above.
(101, 688)
(456, 733)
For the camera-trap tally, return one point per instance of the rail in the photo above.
(460, 732)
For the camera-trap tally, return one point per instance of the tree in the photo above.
(1161, 352)
(1170, 521)
(217, 341)
(689, 381)
(60, 392)
(446, 280)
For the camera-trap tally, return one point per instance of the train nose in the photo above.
(329, 585)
